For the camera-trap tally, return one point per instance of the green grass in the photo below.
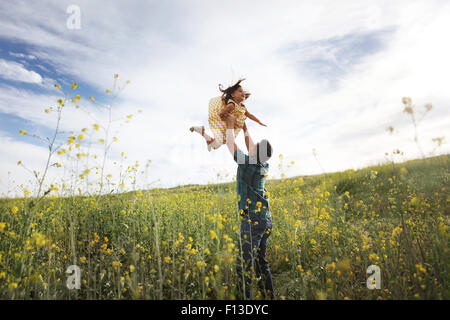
(327, 230)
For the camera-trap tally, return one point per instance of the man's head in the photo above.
(263, 151)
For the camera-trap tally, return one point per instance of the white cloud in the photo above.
(11, 70)
(12, 152)
(22, 55)
(176, 54)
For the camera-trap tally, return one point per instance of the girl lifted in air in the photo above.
(219, 107)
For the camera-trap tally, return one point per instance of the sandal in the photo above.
(197, 129)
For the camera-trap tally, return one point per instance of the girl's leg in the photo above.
(208, 138)
(211, 143)
(201, 130)
(214, 144)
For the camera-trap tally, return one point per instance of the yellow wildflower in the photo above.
(116, 264)
(212, 235)
(12, 285)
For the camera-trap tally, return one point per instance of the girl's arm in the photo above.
(252, 117)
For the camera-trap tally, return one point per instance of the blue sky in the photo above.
(332, 58)
(322, 75)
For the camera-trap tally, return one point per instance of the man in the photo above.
(256, 224)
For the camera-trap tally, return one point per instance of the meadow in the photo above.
(180, 243)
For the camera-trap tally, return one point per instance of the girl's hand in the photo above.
(229, 118)
(262, 124)
(223, 114)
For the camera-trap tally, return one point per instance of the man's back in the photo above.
(250, 179)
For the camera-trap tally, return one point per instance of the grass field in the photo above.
(180, 243)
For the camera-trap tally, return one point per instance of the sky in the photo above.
(324, 75)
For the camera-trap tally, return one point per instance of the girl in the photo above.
(219, 108)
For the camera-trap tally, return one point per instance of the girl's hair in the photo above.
(226, 93)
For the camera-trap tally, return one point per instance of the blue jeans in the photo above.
(254, 237)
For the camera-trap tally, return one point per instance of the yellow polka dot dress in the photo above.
(218, 126)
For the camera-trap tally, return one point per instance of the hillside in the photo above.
(180, 243)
